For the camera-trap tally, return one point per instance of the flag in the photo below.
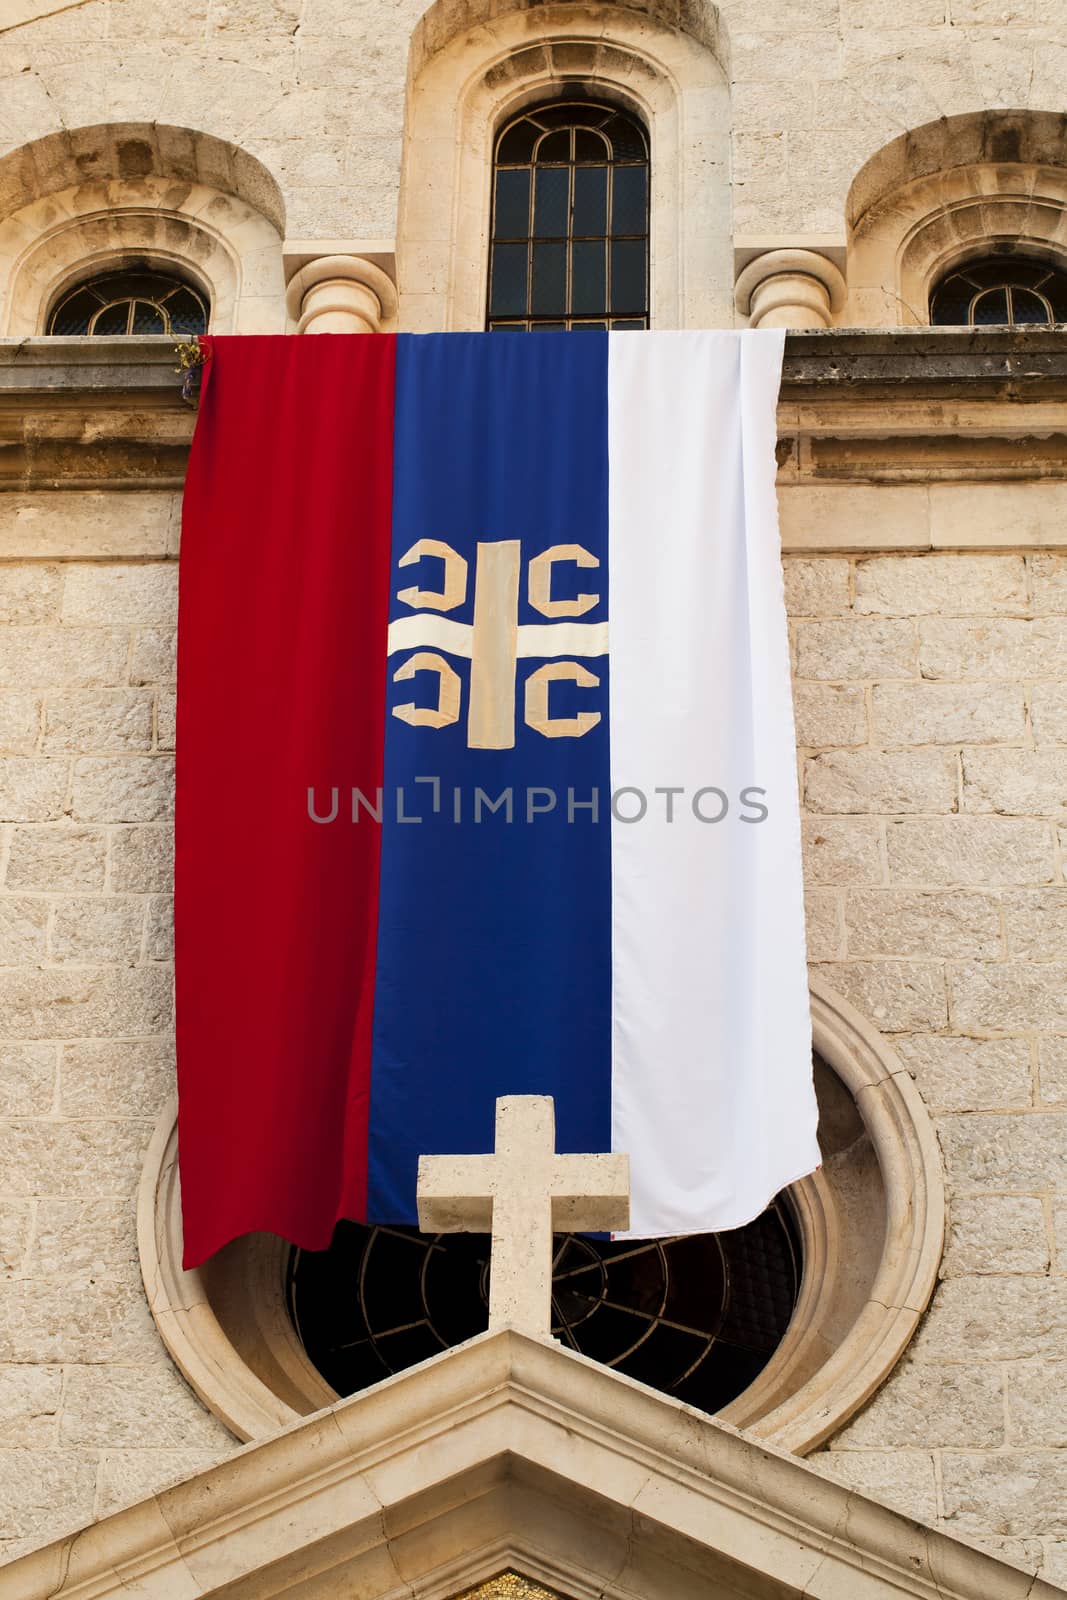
(486, 774)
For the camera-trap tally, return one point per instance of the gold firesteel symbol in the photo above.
(496, 641)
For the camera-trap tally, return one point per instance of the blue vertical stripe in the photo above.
(493, 972)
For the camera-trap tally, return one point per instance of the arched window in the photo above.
(570, 220)
(698, 1317)
(852, 1251)
(135, 301)
(1001, 291)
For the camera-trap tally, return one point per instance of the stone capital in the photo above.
(341, 294)
(790, 289)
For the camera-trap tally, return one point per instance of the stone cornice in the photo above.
(997, 364)
(512, 1451)
(92, 413)
(135, 365)
(920, 410)
(1002, 364)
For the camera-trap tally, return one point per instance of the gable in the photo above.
(512, 1455)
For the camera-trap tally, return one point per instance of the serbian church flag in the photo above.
(486, 774)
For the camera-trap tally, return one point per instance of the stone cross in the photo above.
(521, 1195)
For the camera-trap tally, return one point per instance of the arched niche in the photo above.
(91, 200)
(946, 193)
(870, 1223)
(664, 66)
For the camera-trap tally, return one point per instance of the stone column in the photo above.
(790, 289)
(341, 294)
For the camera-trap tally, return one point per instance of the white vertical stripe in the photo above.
(712, 1090)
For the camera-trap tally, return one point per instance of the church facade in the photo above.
(890, 188)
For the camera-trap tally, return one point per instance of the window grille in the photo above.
(128, 302)
(1001, 291)
(697, 1317)
(570, 221)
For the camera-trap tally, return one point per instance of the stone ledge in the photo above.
(925, 409)
(1000, 361)
(137, 365)
(92, 414)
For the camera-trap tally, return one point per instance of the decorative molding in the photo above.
(747, 246)
(511, 1452)
(224, 1324)
(445, 21)
(53, 244)
(509, 1586)
(945, 193)
(297, 253)
(988, 139)
(341, 294)
(790, 288)
(911, 439)
(130, 152)
(909, 1160)
(227, 1326)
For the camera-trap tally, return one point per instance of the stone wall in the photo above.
(932, 720)
(91, 1410)
(315, 88)
(931, 703)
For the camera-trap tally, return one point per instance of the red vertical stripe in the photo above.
(281, 688)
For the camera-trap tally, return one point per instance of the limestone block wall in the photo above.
(932, 723)
(315, 89)
(931, 695)
(92, 1412)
